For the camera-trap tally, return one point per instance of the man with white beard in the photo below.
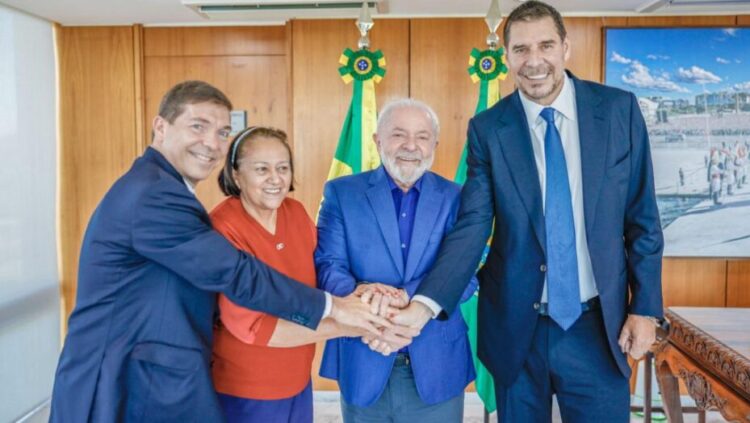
(379, 233)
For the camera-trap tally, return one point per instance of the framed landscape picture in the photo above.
(693, 87)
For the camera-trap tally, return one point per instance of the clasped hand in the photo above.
(406, 318)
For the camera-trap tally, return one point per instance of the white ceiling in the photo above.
(173, 12)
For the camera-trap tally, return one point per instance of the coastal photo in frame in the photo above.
(693, 87)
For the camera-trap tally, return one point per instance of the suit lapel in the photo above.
(381, 201)
(592, 132)
(425, 218)
(515, 142)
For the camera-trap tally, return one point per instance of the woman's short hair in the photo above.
(236, 150)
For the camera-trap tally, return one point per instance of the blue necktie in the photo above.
(562, 264)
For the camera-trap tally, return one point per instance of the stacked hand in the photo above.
(407, 318)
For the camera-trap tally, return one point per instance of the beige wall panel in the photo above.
(256, 84)
(97, 130)
(738, 283)
(215, 41)
(694, 282)
(320, 97)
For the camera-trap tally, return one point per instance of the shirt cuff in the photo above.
(430, 303)
(329, 305)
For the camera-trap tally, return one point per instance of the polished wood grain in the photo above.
(215, 41)
(694, 282)
(320, 97)
(738, 283)
(97, 130)
(439, 59)
(142, 130)
(743, 20)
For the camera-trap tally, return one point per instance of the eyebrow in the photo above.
(265, 162)
(208, 122)
(549, 41)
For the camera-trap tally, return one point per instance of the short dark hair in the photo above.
(236, 150)
(190, 92)
(533, 10)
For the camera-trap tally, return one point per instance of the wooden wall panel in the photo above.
(255, 83)
(738, 283)
(215, 41)
(691, 282)
(440, 51)
(743, 20)
(320, 97)
(97, 130)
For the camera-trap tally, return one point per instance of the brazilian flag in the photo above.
(488, 68)
(356, 152)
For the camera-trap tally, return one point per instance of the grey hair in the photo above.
(387, 112)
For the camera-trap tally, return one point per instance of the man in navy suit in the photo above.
(139, 338)
(572, 281)
(386, 226)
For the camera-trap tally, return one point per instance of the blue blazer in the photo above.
(139, 339)
(358, 240)
(622, 224)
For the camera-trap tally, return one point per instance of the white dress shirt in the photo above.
(566, 121)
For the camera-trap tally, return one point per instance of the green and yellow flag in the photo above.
(488, 68)
(356, 152)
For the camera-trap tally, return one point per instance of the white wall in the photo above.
(29, 292)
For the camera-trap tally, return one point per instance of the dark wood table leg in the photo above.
(670, 393)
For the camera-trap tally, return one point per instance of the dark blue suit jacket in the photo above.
(622, 224)
(358, 240)
(139, 339)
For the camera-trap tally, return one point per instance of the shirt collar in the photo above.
(392, 184)
(189, 186)
(565, 104)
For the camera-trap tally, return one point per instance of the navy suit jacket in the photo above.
(139, 339)
(622, 224)
(358, 240)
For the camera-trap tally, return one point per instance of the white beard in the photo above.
(406, 176)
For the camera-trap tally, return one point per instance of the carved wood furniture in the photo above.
(709, 350)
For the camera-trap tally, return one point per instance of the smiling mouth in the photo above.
(537, 77)
(272, 191)
(203, 157)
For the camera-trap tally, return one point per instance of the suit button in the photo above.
(536, 305)
(543, 268)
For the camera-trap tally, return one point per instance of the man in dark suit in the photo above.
(139, 338)
(564, 169)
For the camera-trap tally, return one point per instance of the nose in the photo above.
(534, 58)
(410, 144)
(273, 176)
(212, 141)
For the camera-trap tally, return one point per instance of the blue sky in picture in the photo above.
(678, 62)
